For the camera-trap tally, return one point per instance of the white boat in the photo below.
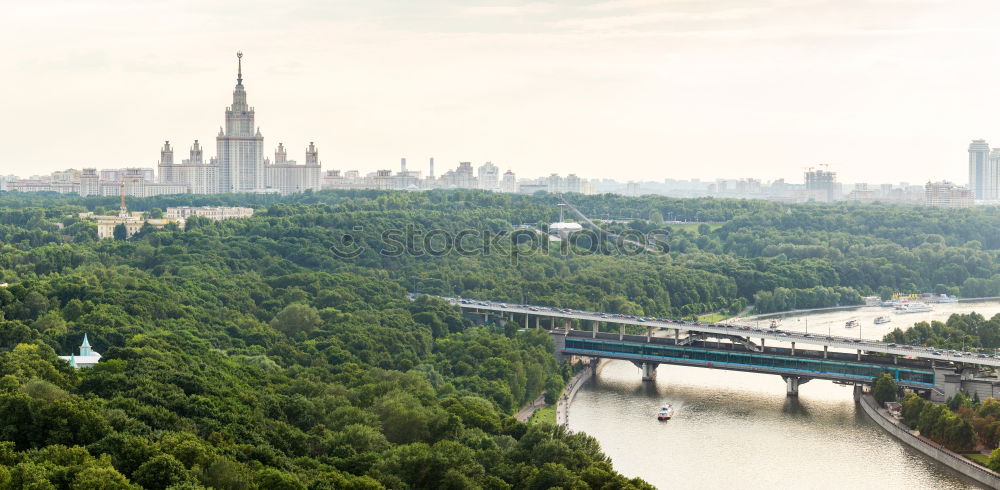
(666, 412)
(851, 324)
(914, 308)
(944, 298)
(774, 324)
(882, 319)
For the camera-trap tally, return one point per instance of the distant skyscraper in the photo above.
(240, 150)
(489, 177)
(822, 183)
(991, 186)
(979, 163)
(509, 182)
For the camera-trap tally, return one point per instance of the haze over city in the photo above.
(883, 91)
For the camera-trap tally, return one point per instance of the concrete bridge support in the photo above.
(792, 384)
(621, 331)
(649, 371)
(595, 324)
(826, 349)
(568, 324)
(649, 334)
(538, 323)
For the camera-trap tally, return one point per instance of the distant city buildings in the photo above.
(217, 213)
(240, 165)
(948, 195)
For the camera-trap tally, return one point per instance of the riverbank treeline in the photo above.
(959, 332)
(962, 424)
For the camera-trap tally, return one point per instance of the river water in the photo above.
(739, 430)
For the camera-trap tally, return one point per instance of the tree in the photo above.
(510, 328)
(120, 232)
(100, 478)
(994, 461)
(160, 472)
(296, 318)
(885, 389)
(912, 406)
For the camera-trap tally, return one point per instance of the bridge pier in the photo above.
(538, 323)
(826, 348)
(595, 323)
(792, 384)
(649, 334)
(793, 348)
(859, 354)
(568, 324)
(621, 331)
(649, 371)
(677, 335)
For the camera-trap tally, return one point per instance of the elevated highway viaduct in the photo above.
(796, 356)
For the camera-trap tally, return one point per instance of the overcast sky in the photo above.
(882, 90)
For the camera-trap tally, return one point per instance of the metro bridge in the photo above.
(736, 347)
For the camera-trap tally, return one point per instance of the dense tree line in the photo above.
(960, 332)
(960, 424)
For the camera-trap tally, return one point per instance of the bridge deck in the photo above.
(803, 363)
(837, 342)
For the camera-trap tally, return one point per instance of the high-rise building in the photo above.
(991, 177)
(489, 177)
(200, 177)
(240, 148)
(821, 184)
(287, 176)
(509, 182)
(947, 194)
(979, 161)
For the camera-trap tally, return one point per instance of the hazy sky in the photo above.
(882, 90)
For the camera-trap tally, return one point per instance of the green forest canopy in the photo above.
(247, 353)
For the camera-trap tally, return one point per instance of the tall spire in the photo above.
(239, 72)
(85, 349)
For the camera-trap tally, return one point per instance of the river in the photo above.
(739, 430)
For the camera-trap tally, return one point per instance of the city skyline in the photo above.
(634, 86)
